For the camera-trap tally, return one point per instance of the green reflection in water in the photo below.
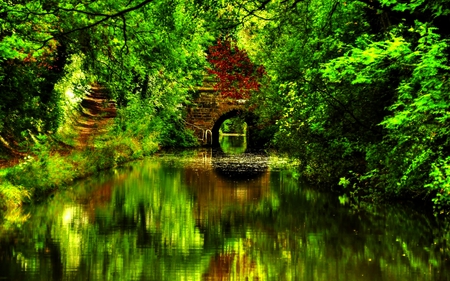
(233, 144)
(155, 220)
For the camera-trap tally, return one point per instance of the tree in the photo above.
(237, 76)
(146, 52)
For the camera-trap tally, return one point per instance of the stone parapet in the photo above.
(207, 109)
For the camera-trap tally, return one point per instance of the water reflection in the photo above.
(233, 144)
(231, 162)
(175, 218)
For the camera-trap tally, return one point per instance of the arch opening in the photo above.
(239, 121)
(232, 136)
(233, 126)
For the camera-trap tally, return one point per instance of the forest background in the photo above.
(357, 90)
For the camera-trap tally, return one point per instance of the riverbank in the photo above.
(86, 145)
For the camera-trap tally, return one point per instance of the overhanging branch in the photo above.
(106, 17)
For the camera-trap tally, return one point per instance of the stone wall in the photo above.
(207, 109)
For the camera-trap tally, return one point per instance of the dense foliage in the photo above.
(147, 53)
(234, 125)
(358, 90)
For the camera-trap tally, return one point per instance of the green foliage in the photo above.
(12, 196)
(152, 50)
(414, 136)
(234, 125)
(417, 129)
(149, 117)
(440, 182)
(47, 170)
(437, 8)
(358, 96)
(29, 68)
(148, 54)
(174, 134)
(43, 171)
(356, 90)
(312, 119)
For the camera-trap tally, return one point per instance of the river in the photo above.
(208, 215)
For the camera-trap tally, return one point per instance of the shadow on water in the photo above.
(233, 160)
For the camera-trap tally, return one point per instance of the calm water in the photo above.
(207, 215)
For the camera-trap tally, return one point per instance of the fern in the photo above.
(13, 195)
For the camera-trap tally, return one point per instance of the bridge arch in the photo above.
(208, 110)
(248, 116)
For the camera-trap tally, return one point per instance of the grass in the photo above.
(49, 169)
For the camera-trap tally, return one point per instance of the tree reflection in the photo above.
(157, 221)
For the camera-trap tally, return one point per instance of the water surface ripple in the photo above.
(207, 215)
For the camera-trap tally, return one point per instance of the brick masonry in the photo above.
(207, 109)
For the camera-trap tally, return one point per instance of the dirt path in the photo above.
(96, 114)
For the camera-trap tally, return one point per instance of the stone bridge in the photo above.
(209, 110)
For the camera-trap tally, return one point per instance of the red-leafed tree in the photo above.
(237, 76)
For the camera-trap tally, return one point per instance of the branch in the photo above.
(124, 28)
(6, 144)
(106, 17)
(249, 14)
(294, 5)
(83, 12)
(255, 15)
(252, 12)
(344, 108)
(330, 17)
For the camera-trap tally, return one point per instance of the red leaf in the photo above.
(237, 75)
